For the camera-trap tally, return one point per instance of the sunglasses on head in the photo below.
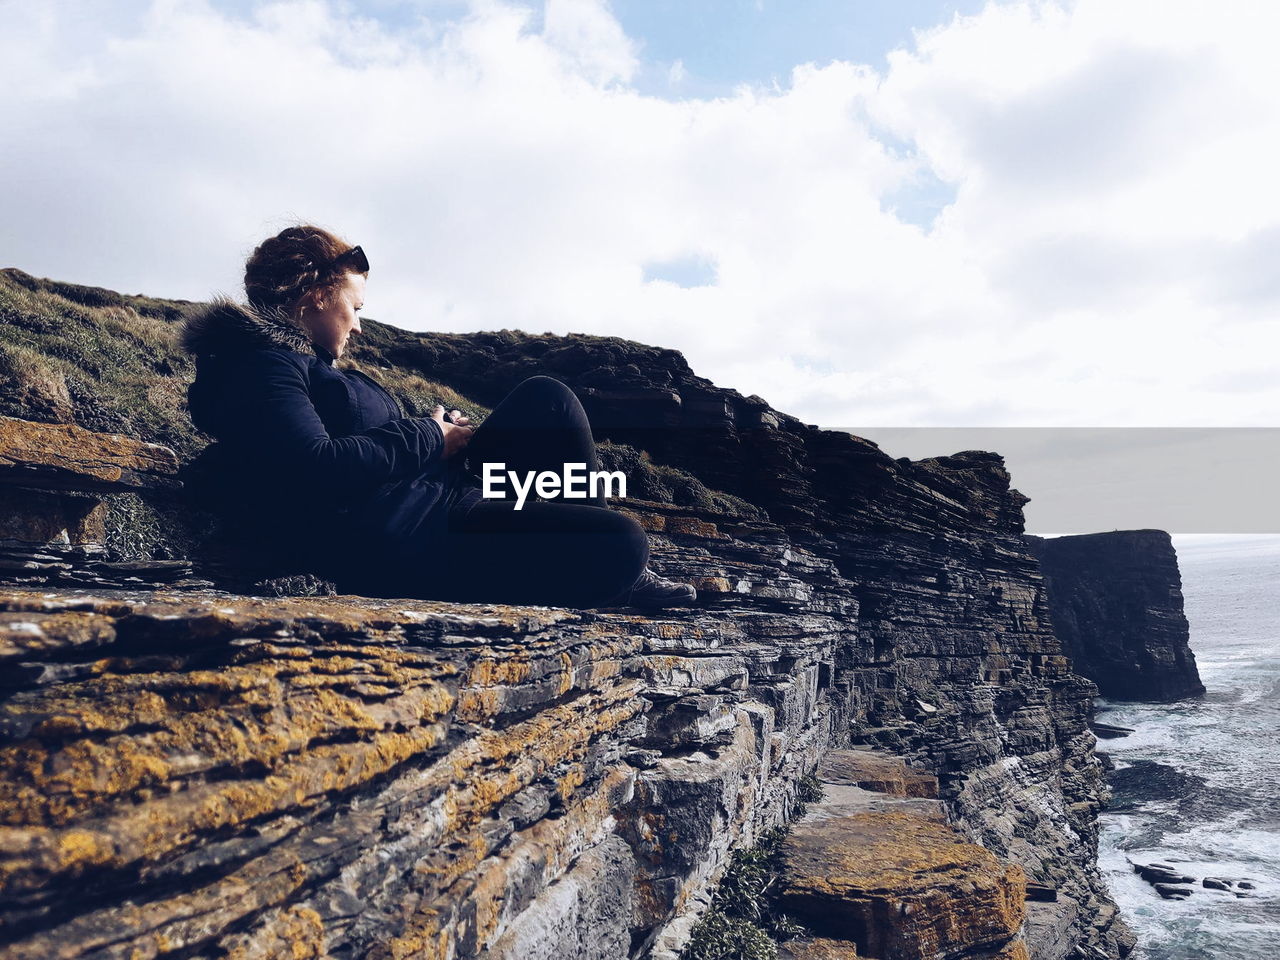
(354, 260)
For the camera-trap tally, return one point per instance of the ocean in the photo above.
(1197, 785)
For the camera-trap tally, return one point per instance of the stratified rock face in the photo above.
(61, 487)
(956, 661)
(206, 775)
(885, 602)
(1116, 601)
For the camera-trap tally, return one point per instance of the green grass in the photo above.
(745, 920)
(808, 790)
(101, 361)
(718, 936)
(663, 484)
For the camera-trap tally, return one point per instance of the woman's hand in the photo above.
(457, 429)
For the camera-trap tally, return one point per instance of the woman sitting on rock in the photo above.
(324, 459)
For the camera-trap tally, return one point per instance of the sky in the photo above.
(872, 213)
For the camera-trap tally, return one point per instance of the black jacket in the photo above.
(321, 457)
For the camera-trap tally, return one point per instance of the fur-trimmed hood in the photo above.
(225, 327)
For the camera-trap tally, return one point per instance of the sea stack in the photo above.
(1116, 603)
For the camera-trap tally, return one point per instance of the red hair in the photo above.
(296, 264)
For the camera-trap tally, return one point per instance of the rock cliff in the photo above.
(1116, 601)
(215, 774)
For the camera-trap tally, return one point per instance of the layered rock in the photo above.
(957, 656)
(819, 948)
(62, 489)
(1117, 606)
(889, 877)
(65, 455)
(888, 602)
(214, 775)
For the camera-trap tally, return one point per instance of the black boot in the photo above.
(654, 592)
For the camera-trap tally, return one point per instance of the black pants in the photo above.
(558, 552)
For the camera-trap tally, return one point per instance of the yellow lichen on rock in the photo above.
(268, 718)
(27, 633)
(78, 849)
(53, 451)
(901, 886)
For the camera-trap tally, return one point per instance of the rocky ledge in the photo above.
(877, 867)
(220, 776)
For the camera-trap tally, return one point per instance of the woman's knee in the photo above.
(549, 391)
(543, 385)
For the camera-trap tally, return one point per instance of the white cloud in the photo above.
(1108, 257)
(588, 36)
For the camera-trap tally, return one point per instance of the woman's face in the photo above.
(332, 319)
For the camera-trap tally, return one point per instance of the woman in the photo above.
(322, 459)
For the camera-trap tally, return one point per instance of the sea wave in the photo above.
(1197, 785)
